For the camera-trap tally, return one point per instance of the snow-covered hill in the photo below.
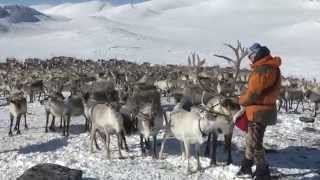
(18, 14)
(166, 31)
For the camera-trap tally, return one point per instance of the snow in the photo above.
(17, 14)
(297, 155)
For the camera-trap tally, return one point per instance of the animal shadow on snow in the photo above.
(49, 146)
(75, 129)
(172, 147)
(297, 157)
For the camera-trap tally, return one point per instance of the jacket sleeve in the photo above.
(260, 79)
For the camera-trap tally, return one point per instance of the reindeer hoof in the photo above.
(18, 132)
(155, 157)
(121, 157)
(229, 162)
(46, 130)
(127, 149)
(10, 134)
(213, 163)
(15, 128)
(200, 169)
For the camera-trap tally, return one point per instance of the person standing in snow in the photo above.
(259, 101)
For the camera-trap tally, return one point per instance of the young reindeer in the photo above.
(54, 105)
(150, 121)
(105, 118)
(73, 106)
(17, 108)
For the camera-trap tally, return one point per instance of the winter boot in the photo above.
(245, 169)
(262, 172)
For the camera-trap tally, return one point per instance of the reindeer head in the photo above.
(146, 120)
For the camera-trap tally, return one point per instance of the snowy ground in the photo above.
(297, 148)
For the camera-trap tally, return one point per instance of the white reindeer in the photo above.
(107, 120)
(189, 128)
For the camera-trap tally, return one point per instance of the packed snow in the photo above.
(296, 155)
(166, 31)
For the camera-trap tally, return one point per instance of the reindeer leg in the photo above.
(108, 144)
(124, 141)
(187, 149)
(228, 143)
(25, 121)
(119, 145)
(39, 97)
(198, 148)
(164, 139)
(303, 109)
(155, 156)
(68, 125)
(207, 150)
(280, 105)
(61, 118)
(315, 109)
(47, 121)
(92, 138)
(11, 122)
(213, 149)
(18, 124)
(64, 126)
(147, 143)
(86, 124)
(52, 126)
(143, 150)
(103, 136)
(30, 98)
(296, 109)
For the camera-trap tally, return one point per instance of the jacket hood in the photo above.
(268, 60)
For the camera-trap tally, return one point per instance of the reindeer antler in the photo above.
(240, 53)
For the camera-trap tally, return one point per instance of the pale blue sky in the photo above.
(31, 2)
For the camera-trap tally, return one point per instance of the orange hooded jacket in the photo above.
(263, 86)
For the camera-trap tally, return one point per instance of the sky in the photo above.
(32, 2)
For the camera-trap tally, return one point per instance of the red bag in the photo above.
(242, 122)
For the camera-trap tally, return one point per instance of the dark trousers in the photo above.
(254, 143)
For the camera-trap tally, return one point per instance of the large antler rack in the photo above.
(240, 53)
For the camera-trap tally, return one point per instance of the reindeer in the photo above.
(189, 127)
(73, 106)
(17, 108)
(54, 105)
(221, 109)
(106, 119)
(315, 98)
(143, 111)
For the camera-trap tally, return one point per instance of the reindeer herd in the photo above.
(121, 98)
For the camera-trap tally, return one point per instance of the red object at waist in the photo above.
(242, 122)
